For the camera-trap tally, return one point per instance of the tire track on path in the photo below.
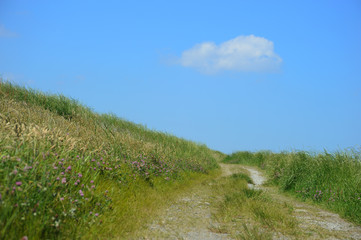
(190, 217)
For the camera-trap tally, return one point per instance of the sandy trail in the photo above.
(319, 223)
(190, 216)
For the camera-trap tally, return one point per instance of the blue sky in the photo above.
(235, 75)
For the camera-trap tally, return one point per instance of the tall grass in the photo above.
(332, 179)
(65, 170)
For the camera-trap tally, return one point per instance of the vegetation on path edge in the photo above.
(330, 179)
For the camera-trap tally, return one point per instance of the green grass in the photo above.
(330, 179)
(249, 213)
(66, 171)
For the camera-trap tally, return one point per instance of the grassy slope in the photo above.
(333, 180)
(67, 172)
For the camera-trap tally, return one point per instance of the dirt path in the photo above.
(190, 217)
(318, 223)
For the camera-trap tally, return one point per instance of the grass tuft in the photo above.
(242, 205)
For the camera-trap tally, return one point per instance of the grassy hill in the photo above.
(68, 172)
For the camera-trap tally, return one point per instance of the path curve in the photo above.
(321, 223)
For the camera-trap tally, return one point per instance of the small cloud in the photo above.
(243, 53)
(5, 33)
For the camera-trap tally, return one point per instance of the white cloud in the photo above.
(243, 53)
(5, 33)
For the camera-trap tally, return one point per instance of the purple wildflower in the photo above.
(18, 183)
(63, 181)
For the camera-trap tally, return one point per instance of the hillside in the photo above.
(66, 170)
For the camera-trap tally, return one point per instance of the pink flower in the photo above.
(69, 168)
(81, 193)
(61, 199)
(18, 183)
(80, 175)
(63, 181)
(15, 172)
(91, 181)
(96, 214)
